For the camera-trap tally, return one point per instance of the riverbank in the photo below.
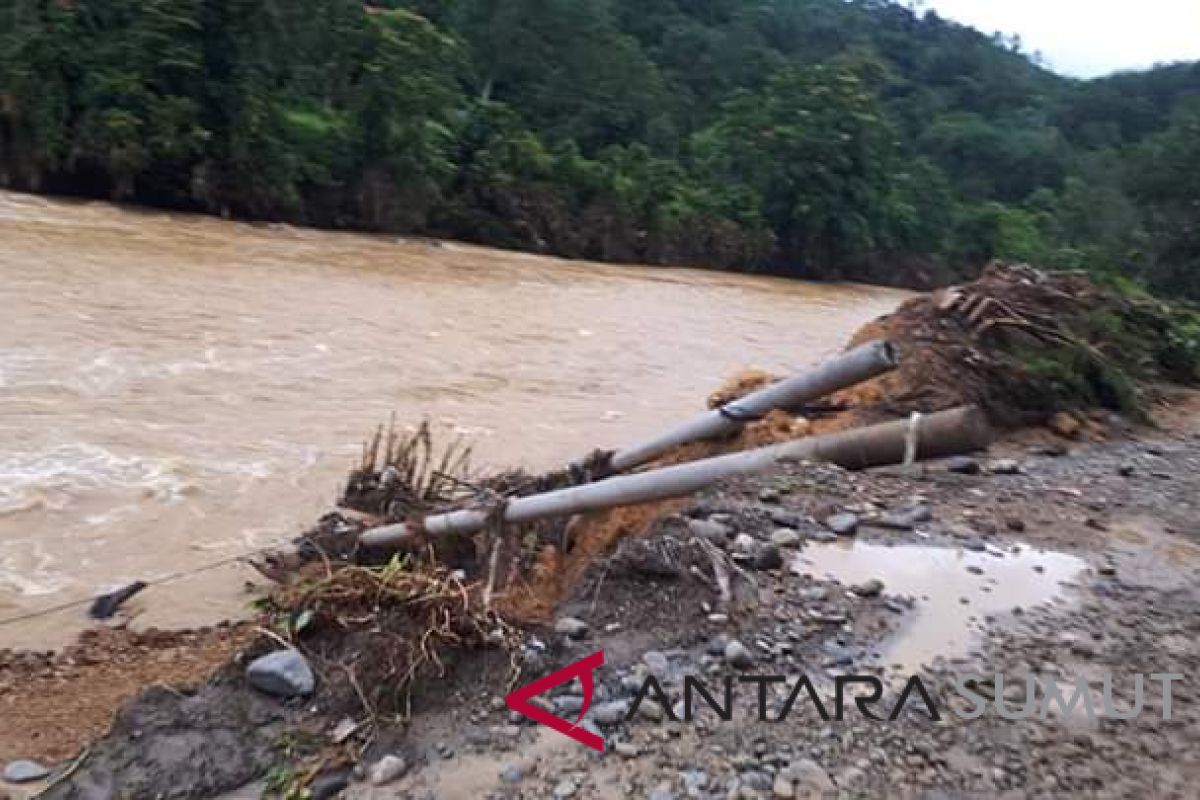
(1123, 507)
(1054, 553)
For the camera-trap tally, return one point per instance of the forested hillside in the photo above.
(818, 138)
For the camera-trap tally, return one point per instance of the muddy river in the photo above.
(177, 390)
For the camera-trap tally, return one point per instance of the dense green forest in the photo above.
(817, 138)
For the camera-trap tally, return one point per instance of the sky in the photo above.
(1088, 38)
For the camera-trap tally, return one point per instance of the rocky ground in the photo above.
(1055, 556)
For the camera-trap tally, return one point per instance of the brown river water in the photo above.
(177, 390)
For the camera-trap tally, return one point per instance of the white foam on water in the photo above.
(51, 479)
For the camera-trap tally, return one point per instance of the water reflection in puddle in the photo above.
(940, 579)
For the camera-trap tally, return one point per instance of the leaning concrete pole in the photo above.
(848, 369)
(959, 430)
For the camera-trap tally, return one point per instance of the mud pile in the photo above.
(1024, 345)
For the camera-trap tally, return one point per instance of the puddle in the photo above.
(939, 579)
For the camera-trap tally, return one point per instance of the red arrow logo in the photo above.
(519, 700)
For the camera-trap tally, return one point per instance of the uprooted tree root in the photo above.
(373, 633)
(1024, 344)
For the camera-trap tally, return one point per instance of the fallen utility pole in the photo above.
(946, 433)
(848, 369)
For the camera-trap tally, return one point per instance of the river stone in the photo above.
(571, 627)
(1005, 466)
(811, 778)
(284, 673)
(745, 543)
(786, 537)
(767, 557)
(963, 465)
(388, 769)
(710, 530)
(657, 663)
(611, 713)
(738, 655)
(871, 588)
(25, 771)
(845, 524)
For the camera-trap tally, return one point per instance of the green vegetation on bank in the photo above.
(817, 138)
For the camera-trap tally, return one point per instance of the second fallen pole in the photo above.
(946, 433)
(841, 372)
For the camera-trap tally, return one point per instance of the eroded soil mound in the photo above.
(1025, 344)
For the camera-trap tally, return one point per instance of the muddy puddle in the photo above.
(952, 590)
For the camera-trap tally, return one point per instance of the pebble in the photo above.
(284, 673)
(329, 784)
(25, 771)
(745, 543)
(737, 655)
(710, 530)
(1005, 466)
(611, 713)
(565, 790)
(387, 769)
(627, 750)
(571, 627)
(844, 524)
(513, 773)
(786, 537)
(767, 557)
(657, 663)
(907, 519)
(871, 588)
(963, 465)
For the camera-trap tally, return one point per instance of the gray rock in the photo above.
(786, 537)
(387, 769)
(662, 794)
(759, 781)
(565, 789)
(963, 465)
(571, 627)
(627, 750)
(871, 588)
(25, 771)
(767, 557)
(657, 663)
(844, 524)
(568, 704)
(329, 784)
(1005, 466)
(838, 656)
(907, 519)
(717, 645)
(813, 594)
(822, 536)
(745, 543)
(810, 777)
(284, 673)
(737, 655)
(513, 773)
(710, 530)
(974, 545)
(611, 713)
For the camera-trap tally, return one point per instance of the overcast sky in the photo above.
(1086, 38)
